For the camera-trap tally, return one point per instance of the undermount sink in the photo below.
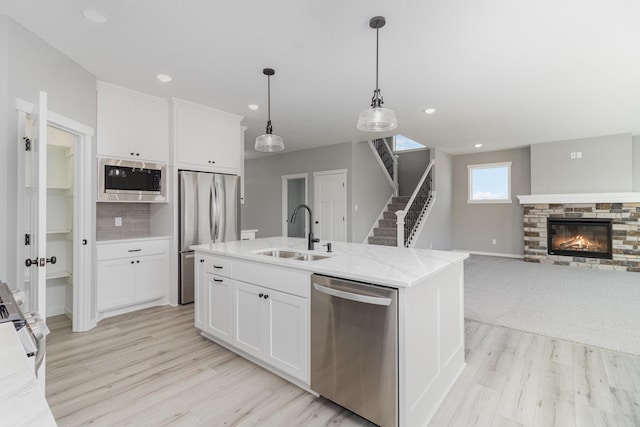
(298, 256)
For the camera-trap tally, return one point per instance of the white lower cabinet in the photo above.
(131, 272)
(263, 322)
(219, 297)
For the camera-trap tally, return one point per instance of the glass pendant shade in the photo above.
(377, 119)
(269, 143)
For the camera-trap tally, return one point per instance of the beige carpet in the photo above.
(600, 308)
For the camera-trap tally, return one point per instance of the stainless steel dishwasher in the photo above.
(354, 347)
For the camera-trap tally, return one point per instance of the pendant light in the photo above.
(269, 142)
(376, 118)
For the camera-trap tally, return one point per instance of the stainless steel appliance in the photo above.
(31, 328)
(209, 212)
(131, 181)
(354, 347)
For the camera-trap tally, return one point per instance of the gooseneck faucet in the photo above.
(311, 240)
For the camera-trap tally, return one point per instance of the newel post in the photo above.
(400, 230)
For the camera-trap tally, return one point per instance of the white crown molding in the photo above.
(579, 198)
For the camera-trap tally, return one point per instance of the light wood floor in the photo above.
(152, 368)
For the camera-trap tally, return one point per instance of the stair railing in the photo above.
(387, 160)
(408, 219)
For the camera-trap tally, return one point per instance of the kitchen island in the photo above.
(253, 297)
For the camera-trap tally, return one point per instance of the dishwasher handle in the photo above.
(351, 296)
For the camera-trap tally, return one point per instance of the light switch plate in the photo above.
(118, 221)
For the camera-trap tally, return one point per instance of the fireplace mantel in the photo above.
(579, 198)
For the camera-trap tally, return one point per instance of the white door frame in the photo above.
(84, 314)
(285, 195)
(316, 194)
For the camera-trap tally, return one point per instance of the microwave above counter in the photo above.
(131, 181)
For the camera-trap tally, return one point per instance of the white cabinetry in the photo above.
(206, 138)
(132, 125)
(262, 311)
(131, 272)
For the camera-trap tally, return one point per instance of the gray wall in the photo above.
(606, 166)
(370, 191)
(475, 225)
(262, 209)
(636, 163)
(438, 230)
(33, 66)
(295, 197)
(411, 166)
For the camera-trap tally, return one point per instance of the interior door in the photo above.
(330, 205)
(35, 146)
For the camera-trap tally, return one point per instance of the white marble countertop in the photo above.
(21, 400)
(383, 265)
(134, 239)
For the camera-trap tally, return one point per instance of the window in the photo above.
(490, 183)
(402, 143)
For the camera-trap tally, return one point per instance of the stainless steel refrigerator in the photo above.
(209, 212)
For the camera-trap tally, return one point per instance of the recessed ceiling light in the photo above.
(477, 145)
(430, 110)
(164, 78)
(95, 16)
(253, 107)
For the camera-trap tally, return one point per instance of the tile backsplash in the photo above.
(136, 220)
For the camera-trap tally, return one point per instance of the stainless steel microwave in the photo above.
(131, 181)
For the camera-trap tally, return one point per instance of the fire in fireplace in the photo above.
(589, 238)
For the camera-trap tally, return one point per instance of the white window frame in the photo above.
(471, 168)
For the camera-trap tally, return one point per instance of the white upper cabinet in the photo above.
(132, 125)
(206, 138)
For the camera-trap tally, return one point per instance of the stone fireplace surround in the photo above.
(622, 208)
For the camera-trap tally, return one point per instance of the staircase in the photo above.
(386, 233)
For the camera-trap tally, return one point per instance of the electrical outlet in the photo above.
(118, 221)
(573, 155)
(493, 241)
(579, 155)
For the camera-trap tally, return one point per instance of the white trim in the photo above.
(384, 169)
(411, 150)
(57, 120)
(25, 106)
(579, 198)
(177, 101)
(285, 195)
(375, 224)
(101, 86)
(490, 254)
(331, 172)
(470, 168)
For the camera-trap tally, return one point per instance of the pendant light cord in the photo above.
(269, 127)
(377, 33)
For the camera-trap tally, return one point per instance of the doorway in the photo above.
(55, 214)
(294, 193)
(330, 204)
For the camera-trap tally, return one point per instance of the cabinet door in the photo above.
(150, 277)
(151, 130)
(115, 124)
(115, 283)
(220, 306)
(225, 142)
(200, 294)
(288, 350)
(193, 143)
(249, 308)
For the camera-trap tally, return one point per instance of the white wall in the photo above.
(636, 163)
(606, 166)
(33, 66)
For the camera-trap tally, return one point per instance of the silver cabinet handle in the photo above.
(134, 250)
(351, 296)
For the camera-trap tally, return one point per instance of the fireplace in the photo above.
(588, 238)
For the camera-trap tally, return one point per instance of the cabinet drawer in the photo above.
(220, 266)
(293, 282)
(131, 248)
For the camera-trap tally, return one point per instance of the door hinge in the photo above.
(27, 239)
(27, 144)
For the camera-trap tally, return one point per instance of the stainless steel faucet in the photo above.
(311, 240)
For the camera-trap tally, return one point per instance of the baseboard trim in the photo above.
(518, 256)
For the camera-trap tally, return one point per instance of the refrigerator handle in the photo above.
(217, 192)
(211, 215)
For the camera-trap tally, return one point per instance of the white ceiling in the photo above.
(504, 73)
